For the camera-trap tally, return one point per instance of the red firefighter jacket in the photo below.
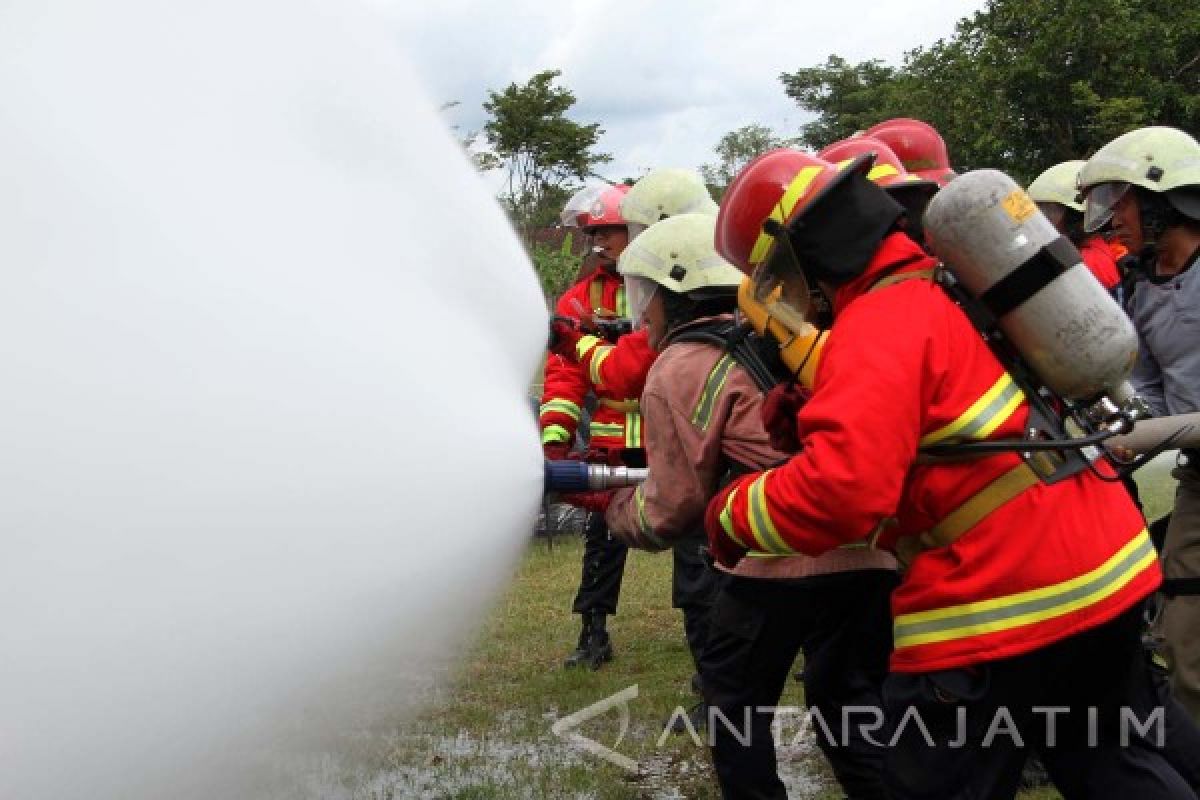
(621, 368)
(904, 368)
(617, 421)
(1101, 259)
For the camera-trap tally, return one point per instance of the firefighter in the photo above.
(615, 430)
(1146, 185)
(1018, 594)
(704, 422)
(622, 366)
(1056, 192)
(804, 342)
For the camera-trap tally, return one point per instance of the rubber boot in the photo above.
(579, 656)
(594, 647)
(599, 645)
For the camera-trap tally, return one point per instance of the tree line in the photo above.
(1018, 86)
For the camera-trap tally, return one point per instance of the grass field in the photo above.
(488, 733)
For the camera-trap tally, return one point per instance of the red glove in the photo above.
(555, 451)
(779, 411)
(724, 549)
(592, 501)
(564, 336)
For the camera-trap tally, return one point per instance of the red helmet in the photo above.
(888, 172)
(595, 207)
(781, 185)
(920, 147)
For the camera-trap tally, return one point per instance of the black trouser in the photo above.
(694, 586)
(1105, 753)
(843, 625)
(1181, 745)
(603, 566)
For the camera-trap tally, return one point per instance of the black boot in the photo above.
(579, 656)
(594, 647)
(599, 646)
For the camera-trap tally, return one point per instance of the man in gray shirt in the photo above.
(1147, 184)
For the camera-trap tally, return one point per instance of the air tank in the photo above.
(1005, 253)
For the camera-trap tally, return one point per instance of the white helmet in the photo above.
(665, 192)
(677, 254)
(1059, 184)
(1158, 159)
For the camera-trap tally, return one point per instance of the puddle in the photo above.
(506, 764)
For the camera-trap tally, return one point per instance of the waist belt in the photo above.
(970, 513)
(1181, 587)
(624, 406)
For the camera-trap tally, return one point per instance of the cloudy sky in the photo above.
(665, 78)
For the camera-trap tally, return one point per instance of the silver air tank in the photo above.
(1005, 253)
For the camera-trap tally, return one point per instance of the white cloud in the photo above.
(664, 79)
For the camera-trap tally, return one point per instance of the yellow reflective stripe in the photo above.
(553, 434)
(1027, 608)
(984, 416)
(726, 519)
(702, 416)
(560, 406)
(762, 527)
(622, 304)
(620, 405)
(882, 171)
(599, 357)
(633, 429)
(795, 191)
(585, 345)
(639, 502)
(606, 429)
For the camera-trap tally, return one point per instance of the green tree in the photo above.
(541, 150)
(556, 267)
(1023, 84)
(846, 97)
(736, 149)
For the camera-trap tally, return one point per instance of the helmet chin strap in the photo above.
(1157, 215)
(1152, 219)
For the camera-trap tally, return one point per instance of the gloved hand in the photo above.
(592, 501)
(555, 451)
(725, 551)
(564, 336)
(779, 411)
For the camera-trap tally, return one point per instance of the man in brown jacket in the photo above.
(703, 413)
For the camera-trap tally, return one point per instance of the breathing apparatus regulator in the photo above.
(1064, 340)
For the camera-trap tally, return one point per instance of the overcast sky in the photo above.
(664, 78)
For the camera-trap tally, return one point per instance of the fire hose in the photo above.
(1149, 433)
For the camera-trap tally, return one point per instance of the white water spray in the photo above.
(265, 339)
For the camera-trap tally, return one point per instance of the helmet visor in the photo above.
(780, 284)
(639, 291)
(579, 205)
(1101, 201)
